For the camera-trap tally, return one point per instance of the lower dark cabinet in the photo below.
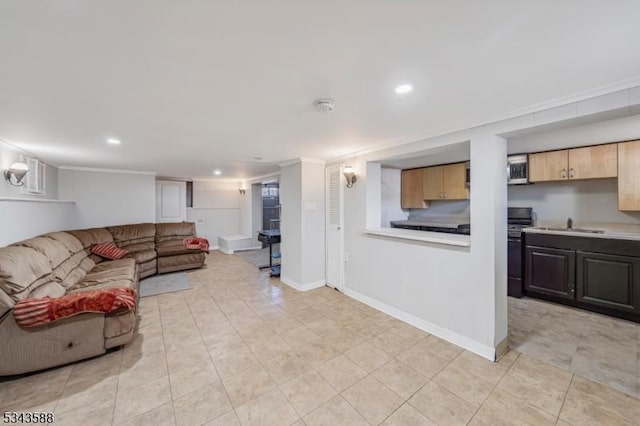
(608, 281)
(550, 271)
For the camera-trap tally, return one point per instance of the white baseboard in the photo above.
(225, 251)
(302, 287)
(248, 248)
(229, 251)
(484, 351)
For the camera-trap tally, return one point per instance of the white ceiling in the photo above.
(189, 86)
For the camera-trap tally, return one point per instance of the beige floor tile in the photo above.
(335, 412)
(224, 343)
(365, 328)
(392, 343)
(421, 359)
(340, 372)
(193, 377)
(509, 358)
(307, 392)
(234, 362)
(270, 408)
(368, 357)
(316, 352)
(481, 367)
(590, 403)
(472, 389)
(87, 397)
(373, 400)
(266, 350)
(344, 340)
(229, 419)
(286, 367)
(442, 406)
(441, 348)
(407, 415)
(540, 384)
(249, 384)
(137, 400)
(138, 371)
(202, 405)
(37, 389)
(161, 416)
(501, 408)
(400, 378)
(187, 356)
(101, 416)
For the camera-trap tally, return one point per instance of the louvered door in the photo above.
(334, 229)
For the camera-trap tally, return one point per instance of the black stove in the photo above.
(517, 219)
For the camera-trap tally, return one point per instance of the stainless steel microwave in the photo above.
(517, 169)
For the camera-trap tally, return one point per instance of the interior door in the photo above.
(334, 227)
(171, 201)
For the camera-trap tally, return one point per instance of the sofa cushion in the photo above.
(50, 289)
(22, 269)
(123, 283)
(171, 248)
(109, 251)
(174, 231)
(125, 235)
(140, 246)
(55, 252)
(92, 236)
(142, 256)
(69, 241)
(107, 272)
(119, 323)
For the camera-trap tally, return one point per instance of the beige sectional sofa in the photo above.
(61, 263)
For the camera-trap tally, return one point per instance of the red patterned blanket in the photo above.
(197, 243)
(36, 312)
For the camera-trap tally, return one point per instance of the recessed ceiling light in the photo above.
(113, 141)
(217, 172)
(404, 88)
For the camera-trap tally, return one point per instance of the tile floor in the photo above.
(241, 349)
(598, 347)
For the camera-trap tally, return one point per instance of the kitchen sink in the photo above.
(587, 231)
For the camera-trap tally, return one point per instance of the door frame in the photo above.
(340, 168)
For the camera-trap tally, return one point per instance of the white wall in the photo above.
(291, 222)
(216, 209)
(391, 196)
(20, 220)
(109, 198)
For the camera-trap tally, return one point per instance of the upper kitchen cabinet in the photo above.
(445, 182)
(411, 193)
(548, 166)
(591, 162)
(629, 175)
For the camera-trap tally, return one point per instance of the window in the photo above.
(35, 180)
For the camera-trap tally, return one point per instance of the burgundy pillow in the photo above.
(109, 251)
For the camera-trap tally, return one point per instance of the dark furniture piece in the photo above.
(517, 219)
(597, 274)
(462, 229)
(271, 237)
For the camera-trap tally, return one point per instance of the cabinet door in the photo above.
(411, 194)
(609, 281)
(548, 166)
(455, 182)
(629, 175)
(432, 179)
(550, 271)
(593, 162)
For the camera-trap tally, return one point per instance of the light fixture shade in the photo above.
(350, 176)
(16, 173)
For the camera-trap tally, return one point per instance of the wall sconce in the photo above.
(350, 176)
(242, 189)
(16, 173)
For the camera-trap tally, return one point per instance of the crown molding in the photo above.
(97, 170)
(302, 160)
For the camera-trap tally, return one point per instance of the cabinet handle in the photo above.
(564, 173)
(571, 173)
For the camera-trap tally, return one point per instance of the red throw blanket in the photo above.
(197, 243)
(36, 312)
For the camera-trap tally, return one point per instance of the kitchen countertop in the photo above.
(425, 236)
(428, 223)
(619, 231)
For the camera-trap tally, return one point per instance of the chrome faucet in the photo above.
(569, 223)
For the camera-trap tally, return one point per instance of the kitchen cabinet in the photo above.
(589, 162)
(629, 176)
(608, 280)
(548, 166)
(445, 182)
(411, 189)
(597, 274)
(550, 271)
